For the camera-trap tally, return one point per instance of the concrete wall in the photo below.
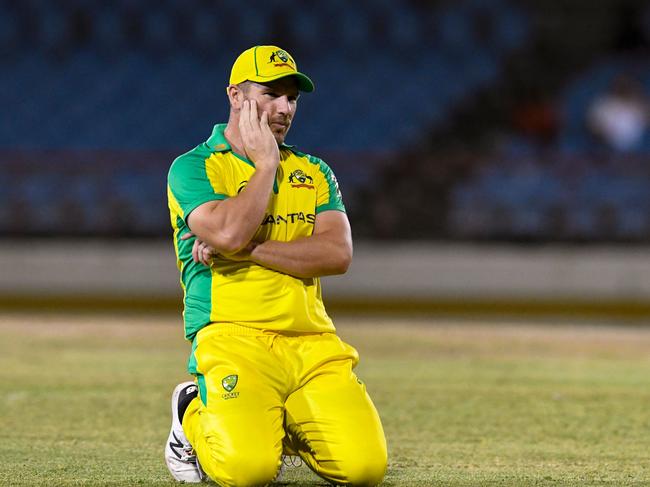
(380, 273)
(449, 271)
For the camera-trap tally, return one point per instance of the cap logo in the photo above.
(281, 58)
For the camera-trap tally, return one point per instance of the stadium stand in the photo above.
(463, 120)
(143, 84)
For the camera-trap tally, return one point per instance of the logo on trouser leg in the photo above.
(229, 383)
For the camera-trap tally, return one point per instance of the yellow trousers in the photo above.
(263, 392)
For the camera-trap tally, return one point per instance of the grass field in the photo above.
(84, 400)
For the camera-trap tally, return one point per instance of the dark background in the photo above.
(467, 120)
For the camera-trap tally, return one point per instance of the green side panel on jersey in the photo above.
(192, 366)
(203, 390)
(197, 282)
(190, 187)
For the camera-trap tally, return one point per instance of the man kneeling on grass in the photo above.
(256, 223)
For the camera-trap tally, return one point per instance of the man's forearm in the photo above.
(314, 256)
(233, 222)
(228, 226)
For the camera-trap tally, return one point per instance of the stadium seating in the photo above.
(131, 58)
(129, 77)
(578, 190)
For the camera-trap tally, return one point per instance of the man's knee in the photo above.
(242, 467)
(359, 466)
(364, 470)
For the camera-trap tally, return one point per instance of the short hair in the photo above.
(245, 86)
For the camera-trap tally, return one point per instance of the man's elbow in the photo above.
(343, 261)
(227, 244)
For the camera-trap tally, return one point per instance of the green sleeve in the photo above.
(189, 183)
(329, 194)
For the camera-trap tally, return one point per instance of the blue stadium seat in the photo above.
(510, 31)
(108, 29)
(305, 28)
(454, 31)
(404, 29)
(9, 28)
(158, 31)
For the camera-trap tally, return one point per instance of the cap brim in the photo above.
(304, 83)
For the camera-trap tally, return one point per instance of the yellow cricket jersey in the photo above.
(245, 293)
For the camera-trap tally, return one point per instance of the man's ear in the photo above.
(235, 96)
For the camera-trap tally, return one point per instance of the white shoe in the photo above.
(179, 454)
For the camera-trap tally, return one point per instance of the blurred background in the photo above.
(494, 158)
(493, 155)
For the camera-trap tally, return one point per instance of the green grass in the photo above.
(84, 400)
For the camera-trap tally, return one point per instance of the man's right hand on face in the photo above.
(259, 143)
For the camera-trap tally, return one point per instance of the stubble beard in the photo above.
(280, 135)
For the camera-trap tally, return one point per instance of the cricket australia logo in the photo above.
(281, 58)
(298, 179)
(229, 382)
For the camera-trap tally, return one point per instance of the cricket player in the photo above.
(256, 224)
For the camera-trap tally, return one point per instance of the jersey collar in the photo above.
(217, 141)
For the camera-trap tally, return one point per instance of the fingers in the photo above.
(195, 250)
(206, 256)
(264, 125)
(244, 120)
(248, 125)
(202, 249)
(259, 143)
(198, 252)
(255, 122)
(248, 122)
(264, 120)
(202, 253)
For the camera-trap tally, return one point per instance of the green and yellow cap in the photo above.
(262, 64)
